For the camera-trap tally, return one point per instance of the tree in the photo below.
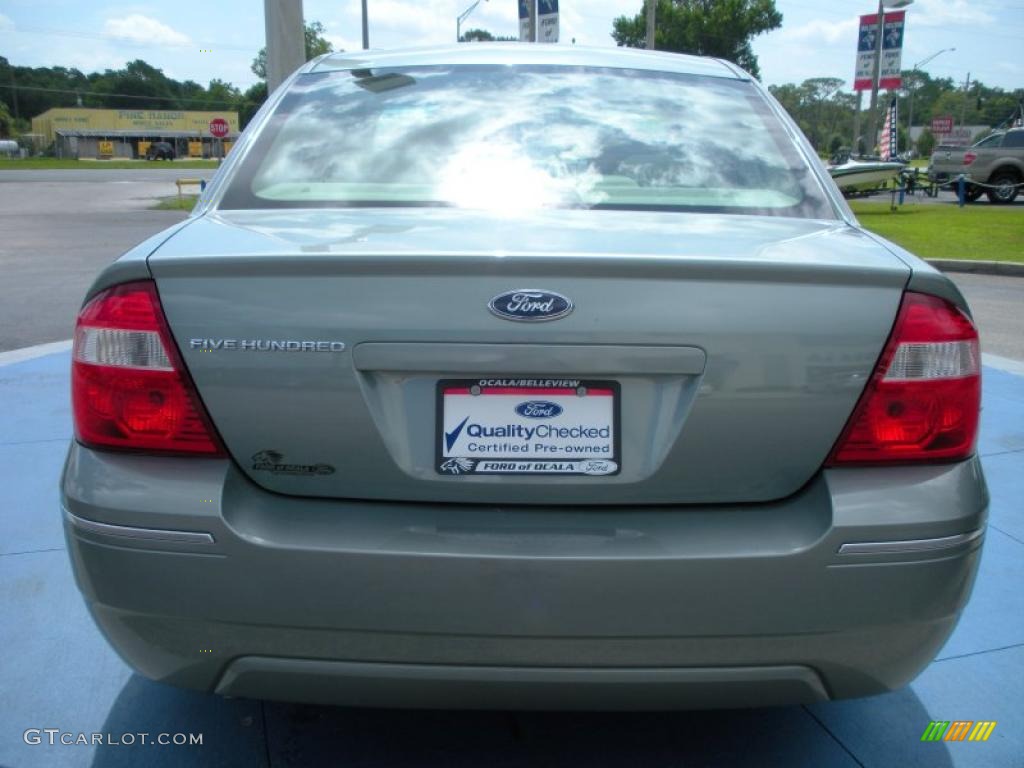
(251, 101)
(6, 122)
(316, 45)
(721, 28)
(482, 36)
(819, 107)
(925, 143)
(138, 84)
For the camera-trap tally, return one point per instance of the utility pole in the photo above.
(963, 107)
(876, 65)
(286, 39)
(651, 7)
(366, 28)
(855, 148)
(532, 6)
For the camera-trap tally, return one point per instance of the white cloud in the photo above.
(144, 29)
(342, 43)
(5, 22)
(944, 13)
(820, 30)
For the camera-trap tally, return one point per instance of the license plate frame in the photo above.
(589, 459)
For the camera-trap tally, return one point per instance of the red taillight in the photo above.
(969, 157)
(129, 388)
(923, 399)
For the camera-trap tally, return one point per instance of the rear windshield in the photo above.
(519, 137)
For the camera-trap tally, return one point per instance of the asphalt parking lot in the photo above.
(58, 672)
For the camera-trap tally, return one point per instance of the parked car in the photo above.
(524, 376)
(160, 150)
(996, 161)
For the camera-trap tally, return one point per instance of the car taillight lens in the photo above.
(969, 158)
(923, 399)
(129, 388)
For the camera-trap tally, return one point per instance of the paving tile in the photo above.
(63, 675)
(29, 497)
(62, 670)
(1002, 415)
(1005, 477)
(886, 730)
(994, 617)
(36, 399)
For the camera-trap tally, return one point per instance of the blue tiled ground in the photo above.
(56, 671)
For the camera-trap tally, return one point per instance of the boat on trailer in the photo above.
(863, 175)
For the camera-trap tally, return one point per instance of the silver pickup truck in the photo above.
(997, 162)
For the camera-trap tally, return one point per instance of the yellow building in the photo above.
(80, 132)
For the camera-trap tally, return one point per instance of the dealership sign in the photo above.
(547, 21)
(892, 50)
(546, 14)
(942, 125)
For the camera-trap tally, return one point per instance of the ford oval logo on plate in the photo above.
(539, 409)
(530, 305)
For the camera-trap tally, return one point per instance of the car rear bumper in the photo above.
(399, 604)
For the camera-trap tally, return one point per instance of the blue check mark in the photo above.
(451, 437)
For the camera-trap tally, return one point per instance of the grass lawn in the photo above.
(175, 203)
(937, 231)
(50, 163)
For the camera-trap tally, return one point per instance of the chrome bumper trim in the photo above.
(144, 534)
(913, 545)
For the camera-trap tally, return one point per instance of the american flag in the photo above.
(887, 143)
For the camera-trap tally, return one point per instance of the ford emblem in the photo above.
(530, 305)
(539, 409)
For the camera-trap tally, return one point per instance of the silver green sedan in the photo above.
(530, 377)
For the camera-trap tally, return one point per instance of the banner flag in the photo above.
(524, 21)
(892, 51)
(547, 21)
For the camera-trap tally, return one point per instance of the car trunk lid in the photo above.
(732, 349)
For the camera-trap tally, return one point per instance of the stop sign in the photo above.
(219, 127)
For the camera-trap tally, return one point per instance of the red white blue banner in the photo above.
(547, 21)
(524, 20)
(892, 51)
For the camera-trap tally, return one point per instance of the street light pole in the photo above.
(913, 87)
(461, 18)
(876, 66)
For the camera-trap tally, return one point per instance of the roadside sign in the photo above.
(219, 128)
(892, 50)
(547, 21)
(106, 148)
(524, 21)
(942, 125)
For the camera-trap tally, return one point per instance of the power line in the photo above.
(82, 92)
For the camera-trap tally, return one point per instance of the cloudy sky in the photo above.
(196, 40)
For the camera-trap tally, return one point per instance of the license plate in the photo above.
(494, 426)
